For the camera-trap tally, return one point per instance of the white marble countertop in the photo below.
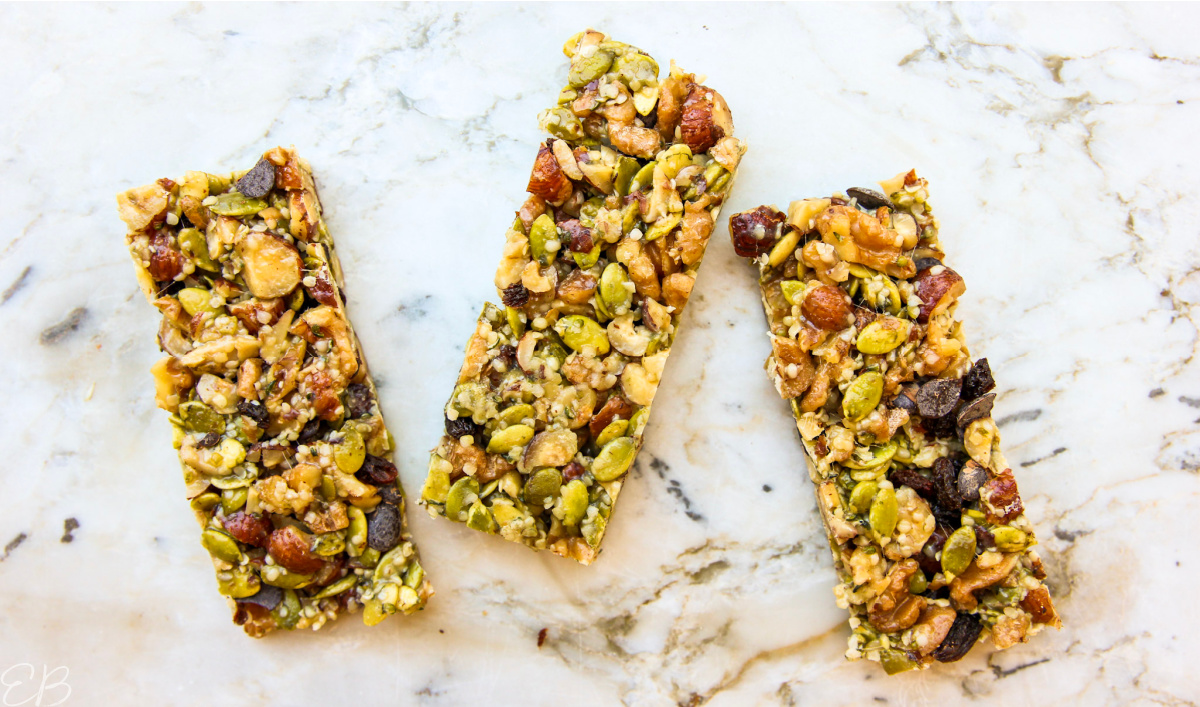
(1060, 142)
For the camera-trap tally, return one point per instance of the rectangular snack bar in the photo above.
(928, 532)
(556, 386)
(284, 451)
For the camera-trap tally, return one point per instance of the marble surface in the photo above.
(1060, 145)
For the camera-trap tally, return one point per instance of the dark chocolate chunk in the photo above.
(978, 380)
(259, 181)
(311, 431)
(938, 397)
(972, 478)
(977, 409)
(267, 596)
(926, 263)
(869, 198)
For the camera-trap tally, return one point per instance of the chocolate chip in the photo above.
(258, 182)
(978, 380)
(972, 478)
(938, 397)
(267, 596)
(869, 198)
(906, 400)
(926, 263)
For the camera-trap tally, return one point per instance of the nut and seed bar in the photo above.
(284, 451)
(929, 537)
(555, 390)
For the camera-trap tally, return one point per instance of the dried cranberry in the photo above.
(755, 232)
(515, 295)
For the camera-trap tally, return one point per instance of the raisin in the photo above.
(961, 637)
(515, 295)
(507, 355)
(947, 505)
(926, 263)
(376, 471)
(978, 380)
(258, 181)
(256, 411)
(311, 431)
(938, 397)
(461, 427)
(383, 527)
(984, 539)
(358, 400)
(915, 480)
(755, 232)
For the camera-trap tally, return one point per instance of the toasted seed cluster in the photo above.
(928, 533)
(284, 451)
(555, 391)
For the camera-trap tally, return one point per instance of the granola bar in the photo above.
(929, 538)
(556, 386)
(285, 455)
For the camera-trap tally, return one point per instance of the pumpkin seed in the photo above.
(575, 502)
(862, 495)
(542, 232)
(563, 124)
(613, 290)
(198, 417)
(884, 513)
(480, 518)
(585, 70)
(277, 576)
(235, 204)
(351, 451)
(242, 583)
(509, 438)
(959, 551)
(1010, 539)
(918, 582)
(205, 502)
(614, 459)
(437, 482)
(784, 248)
(876, 456)
(193, 242)
(883, 335)
(862, 396)
(233, 499)
(373, 612)
(793, 291)
(895, 661)
(356, 532)
(516, 414)
(588, 259)
(635, 67)
(337, 587)
(663, 226)
(414, 574)
(643, 178)
(614, 429)
(637, 422)
(329, 544)
(578, 331)
(464, 491)
(626, 168)
(594, 531)
(541, 486)
(221, 545)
